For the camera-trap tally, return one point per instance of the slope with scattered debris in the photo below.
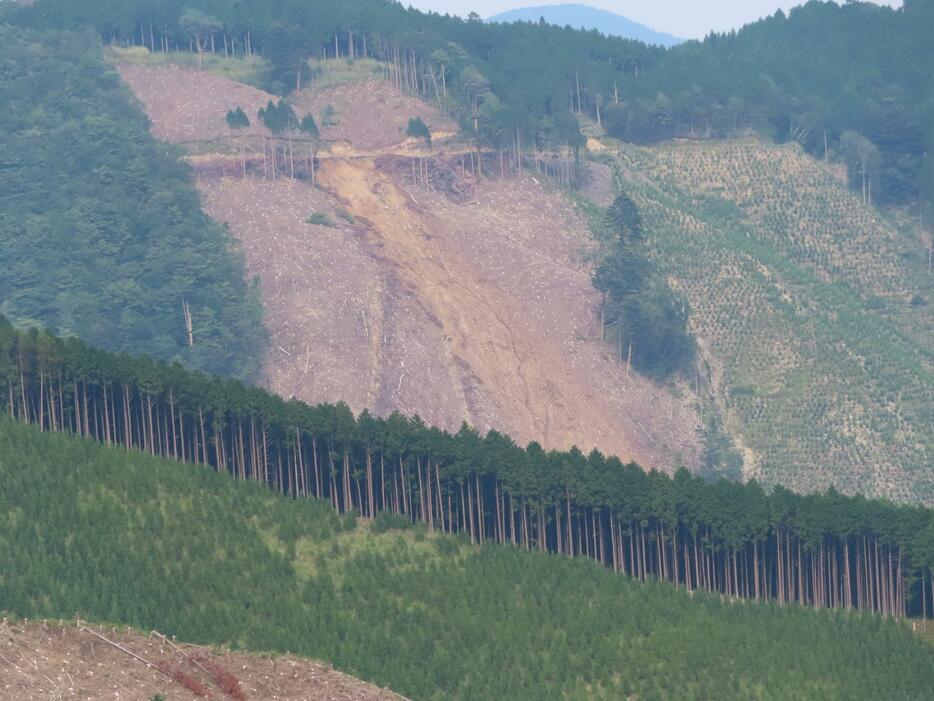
(67, 661)
(397, 295)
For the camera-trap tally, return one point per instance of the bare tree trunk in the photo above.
(291, 160)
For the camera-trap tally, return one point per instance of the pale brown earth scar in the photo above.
(477, 310)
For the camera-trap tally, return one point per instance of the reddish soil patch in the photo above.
(54, 661)
(503, 278)
(369, 115)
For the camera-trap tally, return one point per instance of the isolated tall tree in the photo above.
(268, 116)
(237, 121)
(926, 190)
(310, 130)
(281, 121)
(200, 28)
(286, 52)
(290, 126)
(417, 129)
(442, 59)
(862, 161)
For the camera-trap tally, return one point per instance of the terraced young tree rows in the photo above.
(811, 309)
(817, 550)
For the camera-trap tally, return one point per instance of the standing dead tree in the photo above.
(200, 29)
(189, 324)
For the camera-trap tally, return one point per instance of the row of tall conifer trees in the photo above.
(825, 550)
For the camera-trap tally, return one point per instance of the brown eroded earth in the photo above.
(371, 114)
(187, 105)
(475, 308)
(55, 661)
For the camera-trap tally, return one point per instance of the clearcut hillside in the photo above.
(80, 660)
(404, 278)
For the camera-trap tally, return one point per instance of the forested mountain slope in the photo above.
(101, 231)
(402, 279)
(133, 539)
(816, 550)
(831, 387)
(851, 80)
(810, 308)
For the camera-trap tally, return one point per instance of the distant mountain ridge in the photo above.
(586, 17)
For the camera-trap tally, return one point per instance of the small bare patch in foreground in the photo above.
(65, 661)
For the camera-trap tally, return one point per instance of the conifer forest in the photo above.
(208, 559)
(821, 551)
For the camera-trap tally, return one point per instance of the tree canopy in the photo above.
(417, 129)
(645, 316)
(101, 230)
(309, 127)
(818, 550)
(278, 117)
(129, 539)
(237, 119)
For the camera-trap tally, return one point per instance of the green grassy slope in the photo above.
(249, 70)
(135, 540)
(801, 297)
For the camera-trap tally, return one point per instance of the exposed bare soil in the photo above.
(368, 115)
(473, 308)
(597, 184)
(480, 311)
(187, 105)
(55, 661)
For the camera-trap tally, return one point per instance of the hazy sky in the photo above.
(685, 18)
